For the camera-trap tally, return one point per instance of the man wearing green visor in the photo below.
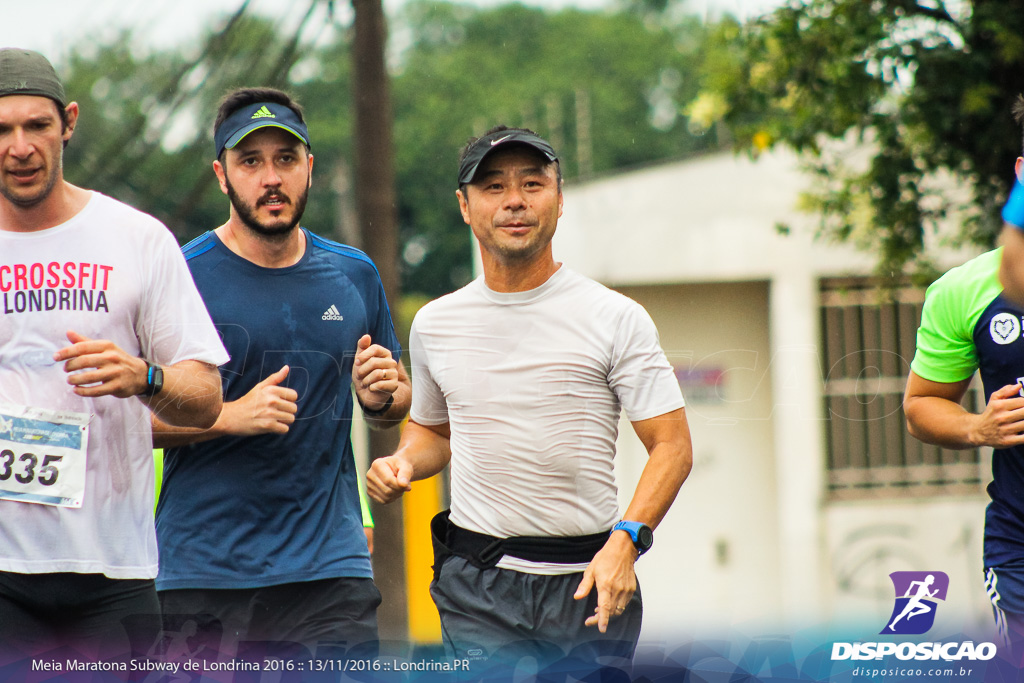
(259, 525)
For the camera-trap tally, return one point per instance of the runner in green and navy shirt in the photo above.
(968, 325)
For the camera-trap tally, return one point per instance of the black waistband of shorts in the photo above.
(485, 551)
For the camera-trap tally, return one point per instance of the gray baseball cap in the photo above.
(24, 72)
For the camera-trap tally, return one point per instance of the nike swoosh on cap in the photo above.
(494, 142)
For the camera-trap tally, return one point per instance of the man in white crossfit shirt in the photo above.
(518, 379)
(100, 323)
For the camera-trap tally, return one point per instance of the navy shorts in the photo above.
(1005, 586)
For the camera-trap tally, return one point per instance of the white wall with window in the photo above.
(806, 491)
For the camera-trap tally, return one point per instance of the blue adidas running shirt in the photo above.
(245, 512)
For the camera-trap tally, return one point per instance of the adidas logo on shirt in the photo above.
(332, 313)
(263, 113)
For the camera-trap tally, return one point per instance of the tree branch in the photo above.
(939, 14)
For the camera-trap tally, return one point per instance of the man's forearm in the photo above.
(670, 458)
(667, 468)
(423, 452)
(191, 395)
(940, 422)
(426, 448)
(169, 436)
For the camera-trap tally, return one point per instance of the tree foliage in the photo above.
(605, 87)
(926, 86)
(145, 132)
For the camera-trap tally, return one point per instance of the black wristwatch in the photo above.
(643, 537)
(154, 379)
(379, 411)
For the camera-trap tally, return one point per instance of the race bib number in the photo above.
(42, 455)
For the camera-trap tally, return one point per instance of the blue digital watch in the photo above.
(643, 537)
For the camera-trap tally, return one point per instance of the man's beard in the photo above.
(30, 201)
(247, 213)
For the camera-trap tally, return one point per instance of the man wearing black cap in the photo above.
(99, 324)
(259, 521)
(519, 378)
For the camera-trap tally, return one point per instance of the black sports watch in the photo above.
(643, 537)
(154, 379)
(379, 411)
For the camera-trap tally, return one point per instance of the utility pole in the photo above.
(376, 208)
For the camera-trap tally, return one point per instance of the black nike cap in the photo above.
(483, 146)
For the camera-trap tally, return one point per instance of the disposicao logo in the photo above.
(917, 596)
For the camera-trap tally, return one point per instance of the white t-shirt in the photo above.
(531, 384)
(114, 273)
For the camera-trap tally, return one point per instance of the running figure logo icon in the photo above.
(917, 594)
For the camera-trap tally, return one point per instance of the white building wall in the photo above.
(867, 540)
(751, 539)
(724, 523)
